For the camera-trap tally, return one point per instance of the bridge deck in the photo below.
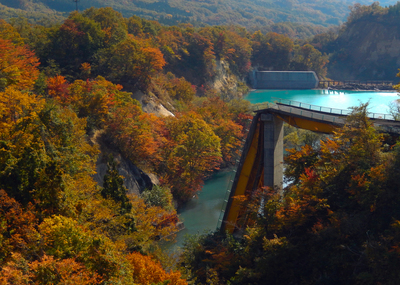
(329, 116)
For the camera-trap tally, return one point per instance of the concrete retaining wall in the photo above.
(283, 79)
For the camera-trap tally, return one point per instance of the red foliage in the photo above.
(71, 28)
(57, 87)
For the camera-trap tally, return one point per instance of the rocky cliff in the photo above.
(224, 79)
(227, 84)
(135, 180)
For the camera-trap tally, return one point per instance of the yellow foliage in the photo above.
(151, 222)
(17, 107)
(7, 32)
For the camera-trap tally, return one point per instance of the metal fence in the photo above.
(333, 111)
(309, 114)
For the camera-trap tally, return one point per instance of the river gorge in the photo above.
(201, 214)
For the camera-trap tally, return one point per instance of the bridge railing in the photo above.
(329, 110)
(308, 113)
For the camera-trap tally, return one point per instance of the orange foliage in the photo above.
(91, 98)
(220, 257)
(132, 132)
(47, 271)
(147, 271)
(18, 66)
(154, 58)
(58, 87)
(17, 227)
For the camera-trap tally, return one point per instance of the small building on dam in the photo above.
(283, 79)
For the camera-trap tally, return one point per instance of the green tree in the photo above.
(75, 42)
(113, 187)
(158, 196)
(111, 22)
(271, 50)
(193, 151)
(306, 57)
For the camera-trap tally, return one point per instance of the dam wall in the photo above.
(283, 79)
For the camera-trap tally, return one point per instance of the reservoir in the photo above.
(340, 99)
(201, 214)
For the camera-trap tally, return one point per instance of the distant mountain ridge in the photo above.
(248, 13)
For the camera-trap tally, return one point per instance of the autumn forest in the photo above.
(73, 93)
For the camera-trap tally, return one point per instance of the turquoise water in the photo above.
(341, 99)
(201, 214)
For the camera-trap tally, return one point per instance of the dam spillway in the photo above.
(283, 79)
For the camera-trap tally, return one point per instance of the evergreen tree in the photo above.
(113, 187)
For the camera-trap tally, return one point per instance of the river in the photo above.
(201, 214)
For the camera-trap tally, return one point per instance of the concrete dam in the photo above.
(283, 79)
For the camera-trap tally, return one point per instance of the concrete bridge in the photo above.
(261, 163)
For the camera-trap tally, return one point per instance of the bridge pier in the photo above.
(273, 151)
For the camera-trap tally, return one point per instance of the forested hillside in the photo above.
(66, 93)
(366, 46)
(57, 225)
(250, 14)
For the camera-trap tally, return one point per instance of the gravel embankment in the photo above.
(360, 86)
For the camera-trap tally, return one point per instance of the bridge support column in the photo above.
(273, 151)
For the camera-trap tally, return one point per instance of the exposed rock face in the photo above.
(150, 105)
(224, 79)
(135, 180)
(368, 49)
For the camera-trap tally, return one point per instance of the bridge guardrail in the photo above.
(308, 114)
(330, 110)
